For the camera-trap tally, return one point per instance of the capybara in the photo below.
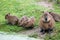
(11, 19)
(55, 16)
(30, 23)
(46, 23)
(23, 21)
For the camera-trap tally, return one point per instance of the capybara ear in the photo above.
(8, 13)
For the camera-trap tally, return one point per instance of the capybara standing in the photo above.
(23, 21)
(30, 23)
(46, 23)
(55, 16)
(11, 19)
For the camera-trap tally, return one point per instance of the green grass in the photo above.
(33, 35)
(20, 8)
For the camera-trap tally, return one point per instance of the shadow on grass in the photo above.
(10, 28)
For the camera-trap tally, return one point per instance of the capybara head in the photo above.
(46, 17)
(6, 16)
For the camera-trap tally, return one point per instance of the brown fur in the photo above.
(46, 25)
(23, 21)
(30, 22)
(55, 16)
(11, 19)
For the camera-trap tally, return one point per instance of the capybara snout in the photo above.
(45, 17)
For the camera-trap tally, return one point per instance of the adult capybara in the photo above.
(30, 23)
(46, 23)
(55, 16)
(23, 21)
(11, 19)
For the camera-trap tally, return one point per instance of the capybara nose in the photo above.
(46, 19)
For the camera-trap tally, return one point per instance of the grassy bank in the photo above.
(20, 8)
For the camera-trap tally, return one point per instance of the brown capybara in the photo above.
(55, 16)
(30, 23)
(11, 19)
(46, 23)
(23, 21)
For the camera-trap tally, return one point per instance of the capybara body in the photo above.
(11, 19)
(23, 21)
(46, 23)
(55, 16)
(30, 23)
(26, 22)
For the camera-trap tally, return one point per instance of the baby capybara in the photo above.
(46, 23)
(55, 16)
(30, 23)
(23, 21)
(11, 19)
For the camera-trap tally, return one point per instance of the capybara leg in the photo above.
(8, 23)
(42, 31)
(50, 30)
(29, 27)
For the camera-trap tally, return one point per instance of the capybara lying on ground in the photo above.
(30, 23)
(55, 16)
(11, 19)
(26, 22)
(23, 21)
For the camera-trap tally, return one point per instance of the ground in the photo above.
(4, 36)
(29, 8)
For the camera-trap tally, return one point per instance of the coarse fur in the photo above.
(30, 23)
(55, 16)
(23, 21)
(11, 19)
(46, 23)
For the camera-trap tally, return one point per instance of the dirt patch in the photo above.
(33, 32)
(30, 31)
(46, 4)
